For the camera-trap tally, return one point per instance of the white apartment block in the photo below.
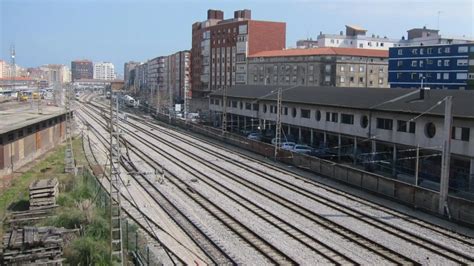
(104, 71)
(355, 37)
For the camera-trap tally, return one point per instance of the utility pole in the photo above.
(278, 123)
(115, 206)
(69, 162)
(224, 111)
(446, 156)
(186, 103)
(417, 166)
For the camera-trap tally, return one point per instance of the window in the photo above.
(361, 68)
(421, 63)
(461, 76)
(328, 116)
(342, 68)
(285, 110)
(248, 106)
(351, 79)
(234, 104)
(446, 63)
(361, 80)
(318, 115)
(438, 75)
(241, 105)
(399, 63)
(380, 81)
(465, 134)
(430, 130)
(402, 126)
(351, 69)
(342, 79)
(414, 51)
(327, 78)
(400, 51)
(462, 62)
(447, 49)
(311, 67)
(347, 119)
(429, 50)
(334, 117)
(471, 76)
(216, 101)
(460, 133)
(255, 106)
(328, 68)
(264, 108)
(20, 133)
(364, 121)
(384, 123)
(440, 63)
(293, 112)
(10, 137)
(445, 75)
(305, 113)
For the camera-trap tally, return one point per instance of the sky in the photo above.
(117, 31)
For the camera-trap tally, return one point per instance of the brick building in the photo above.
(220, 48)
(331, 66)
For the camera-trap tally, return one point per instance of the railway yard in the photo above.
(207, 203)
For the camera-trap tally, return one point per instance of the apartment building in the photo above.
(437, 66)
(356, 37)
(82, 69)
(127, 68)
(220, 48)
(340, 67)
(104, 71)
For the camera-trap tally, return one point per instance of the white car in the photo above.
(287, 145)
(302, 149)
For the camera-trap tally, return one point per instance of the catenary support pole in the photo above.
(446, 156)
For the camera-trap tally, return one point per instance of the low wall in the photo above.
(461, 210)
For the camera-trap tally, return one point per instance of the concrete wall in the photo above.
(24, 149)
(461, 210)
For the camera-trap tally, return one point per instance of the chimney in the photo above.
(215, 14)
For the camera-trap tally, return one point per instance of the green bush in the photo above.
(98, 229)
(87, 251)
(69, 219)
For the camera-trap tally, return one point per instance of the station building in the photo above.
(381, 130)
(25, 135)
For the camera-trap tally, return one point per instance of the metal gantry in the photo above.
(278, 123)
(69, 162)
(115, 205)
(224, 110)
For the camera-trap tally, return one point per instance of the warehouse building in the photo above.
(392, 132)
(25, 135)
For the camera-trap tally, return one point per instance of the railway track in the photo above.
(333, 255)
(214, 252)
(406, 235)
(427, 244)
(267, 250)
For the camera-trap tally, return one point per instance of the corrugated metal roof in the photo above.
(361, 98)
(323, 51)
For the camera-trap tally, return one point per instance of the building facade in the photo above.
(220, 48)
(82, 69)
(127, 68)
(349, 129)
(437, 67)
(104, 71)
(356, 37)
(341, 67)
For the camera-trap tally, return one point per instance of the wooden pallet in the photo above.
(43, 193)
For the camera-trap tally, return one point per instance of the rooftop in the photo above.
(362, 98)
(19, 115)
(323, 51)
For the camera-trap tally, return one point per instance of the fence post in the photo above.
(126, 231)
(136, 241)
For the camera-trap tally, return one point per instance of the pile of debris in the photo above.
(35, 245)
(43, 193)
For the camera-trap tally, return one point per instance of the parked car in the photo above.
(287, 145)
(288, 138)
(255, 136)
(305, 149)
